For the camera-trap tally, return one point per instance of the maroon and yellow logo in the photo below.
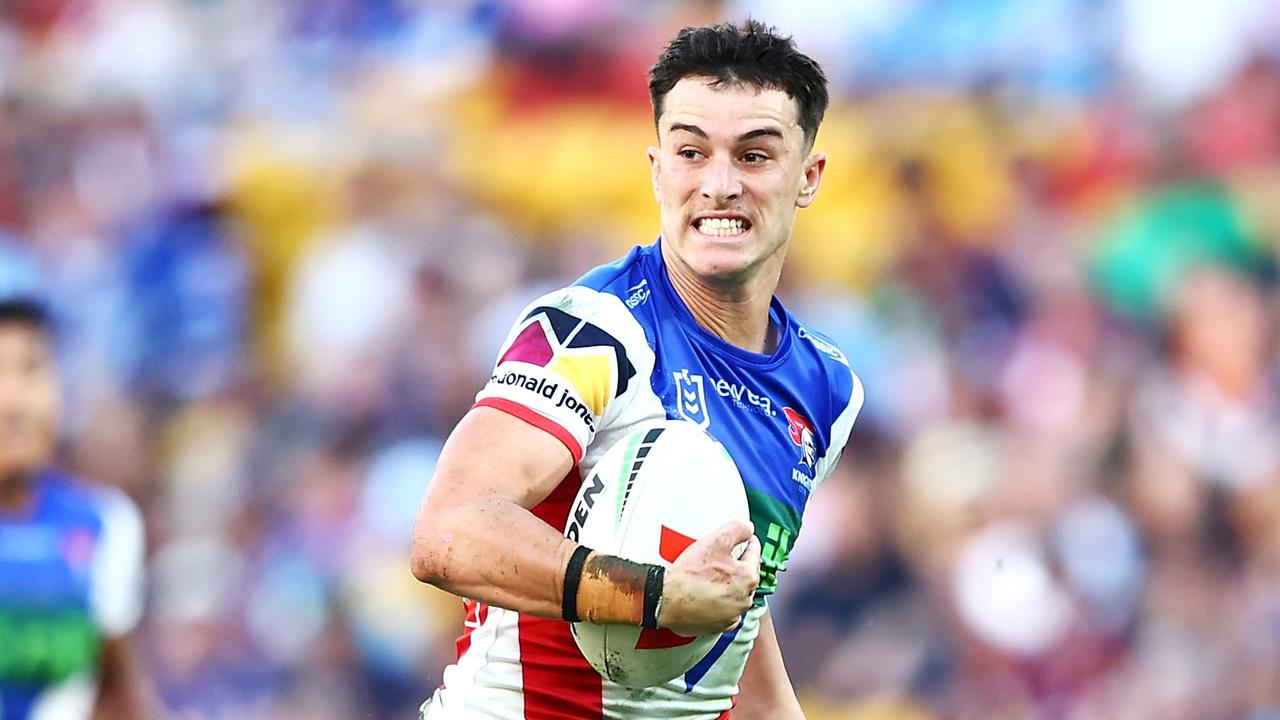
(587, 358)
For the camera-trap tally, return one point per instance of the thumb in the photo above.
(731, 534)
(752, 554)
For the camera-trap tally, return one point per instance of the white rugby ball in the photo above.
(653, 493)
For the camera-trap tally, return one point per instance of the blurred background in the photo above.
(285, 239)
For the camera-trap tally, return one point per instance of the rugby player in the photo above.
(687, 327)
(71, 554)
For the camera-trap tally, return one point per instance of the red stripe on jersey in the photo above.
(469, 623)
(554, 508)
(559, 684)
(514, 408)
(477, 613)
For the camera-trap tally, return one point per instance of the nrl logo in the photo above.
(691, 399)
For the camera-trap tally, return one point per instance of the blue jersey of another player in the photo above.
(70, 577)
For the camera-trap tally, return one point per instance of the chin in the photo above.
(17, 467)
(723, 271)
(719, 265)
(715, 259)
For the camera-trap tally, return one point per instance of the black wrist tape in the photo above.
(652, 595)
(572, 577)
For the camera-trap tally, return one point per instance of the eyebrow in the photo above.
(762, 132)
(750, 135)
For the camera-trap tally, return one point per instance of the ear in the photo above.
(814, 167)
(653, 173)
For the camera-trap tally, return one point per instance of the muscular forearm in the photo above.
(473, 555)
(477, 536)
(494, 551)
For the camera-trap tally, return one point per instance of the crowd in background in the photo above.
(283, 241)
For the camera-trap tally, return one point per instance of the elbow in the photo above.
(425, 569)
(428, 559)
(427, 562)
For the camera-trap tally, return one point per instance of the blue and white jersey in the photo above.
(588, 364)
(70, 576)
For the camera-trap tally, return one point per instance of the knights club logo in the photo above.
(801, 432)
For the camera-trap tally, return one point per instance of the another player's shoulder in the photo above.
(76, 500)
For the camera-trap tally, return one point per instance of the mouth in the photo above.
(722, 226)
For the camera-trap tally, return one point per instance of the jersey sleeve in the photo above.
(851, 404)
(116, 583)
(566, 366)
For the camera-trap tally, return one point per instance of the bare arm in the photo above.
(123, 693)
(476, 537)
(765, 691)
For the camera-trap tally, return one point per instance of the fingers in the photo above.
(752, 555)
(731, 534)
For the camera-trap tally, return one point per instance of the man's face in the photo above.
(730, 170)
(29, 399)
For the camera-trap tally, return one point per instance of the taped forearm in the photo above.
(606, 589)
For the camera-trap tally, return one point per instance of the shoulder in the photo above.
(596, 310)
(627, 279)
(83, 502)
(620, 276)
(574, 358)
(835, 401)
(843, 385)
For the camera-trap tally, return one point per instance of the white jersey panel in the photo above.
(487, 681)
(116, 585)
(840, 430)
(573, 361)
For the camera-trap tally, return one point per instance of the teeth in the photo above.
(720, 226)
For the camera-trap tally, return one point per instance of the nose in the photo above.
(720, 181)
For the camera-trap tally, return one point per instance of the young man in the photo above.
(71, 554)
(685, 328)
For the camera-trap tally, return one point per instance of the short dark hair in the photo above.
(25, 311)
(753, 54)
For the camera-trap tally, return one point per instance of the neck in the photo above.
(15, 491)
(736, 311)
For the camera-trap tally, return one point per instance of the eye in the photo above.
(689, 154)
(754, 158)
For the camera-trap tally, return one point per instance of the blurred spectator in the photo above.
(286, 239)
(71, 553)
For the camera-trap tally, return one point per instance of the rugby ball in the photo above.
(653, 493)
